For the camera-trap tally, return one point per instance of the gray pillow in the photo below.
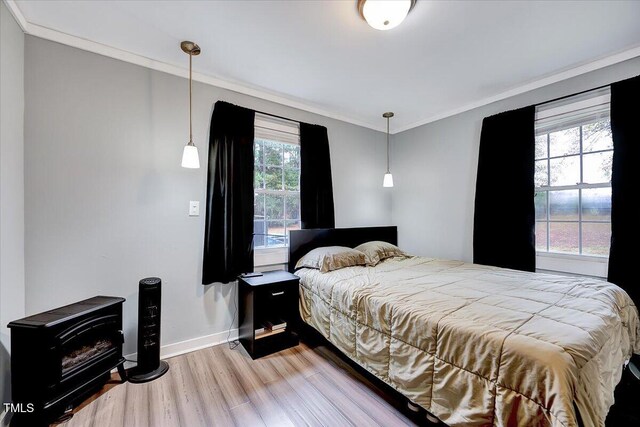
(331, 258)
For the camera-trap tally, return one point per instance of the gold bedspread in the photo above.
(479, 345)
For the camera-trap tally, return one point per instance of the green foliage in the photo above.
(258, 178)
(277, 169)
(292, 179)
(258, 205)
(273, 178)
(258, 152)
(292, 156)
(293, 207)
(274, 206)
(273, 153)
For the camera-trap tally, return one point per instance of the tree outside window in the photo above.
(276, 192)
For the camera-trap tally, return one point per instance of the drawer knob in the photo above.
(275, 294)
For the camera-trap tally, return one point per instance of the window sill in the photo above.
(271, 256)
(574, 264)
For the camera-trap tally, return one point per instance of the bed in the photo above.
(473, 344)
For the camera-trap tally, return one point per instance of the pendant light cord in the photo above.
(387, 144)
(190, 102)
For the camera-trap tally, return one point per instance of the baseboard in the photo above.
(193, 344)
(182, 347)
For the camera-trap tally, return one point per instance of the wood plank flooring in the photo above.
(218, 386)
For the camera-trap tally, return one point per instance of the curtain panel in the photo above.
(625, 186)
(504, 216)
(316, 188)
(228, 239)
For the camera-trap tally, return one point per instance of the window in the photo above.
(574, 152)
(276, 181)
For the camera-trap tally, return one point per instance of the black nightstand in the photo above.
(268, 312)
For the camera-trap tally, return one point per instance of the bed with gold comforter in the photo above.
(479, 345)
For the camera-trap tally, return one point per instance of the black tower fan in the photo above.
(149, 365)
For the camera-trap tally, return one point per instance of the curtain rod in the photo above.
(573, 94)
(278, 117)
(263, 112)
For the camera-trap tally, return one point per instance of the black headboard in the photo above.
(302, 241)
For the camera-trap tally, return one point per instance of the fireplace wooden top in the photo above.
(56, 316)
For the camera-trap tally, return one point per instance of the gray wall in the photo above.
(434, 168)
(106, 198)
(12, 297)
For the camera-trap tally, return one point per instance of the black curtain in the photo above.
(503, 229)
(316, 189)
(228, 238)
(625, 185)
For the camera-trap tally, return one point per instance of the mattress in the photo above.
(479, 345)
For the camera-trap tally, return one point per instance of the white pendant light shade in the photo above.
(385, 14)
(388, 180)
(190, 157)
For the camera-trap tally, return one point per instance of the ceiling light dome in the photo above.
(385, 14)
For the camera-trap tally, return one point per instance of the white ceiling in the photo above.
(319, 55)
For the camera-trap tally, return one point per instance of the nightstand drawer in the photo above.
(278, 293)
(276, 301)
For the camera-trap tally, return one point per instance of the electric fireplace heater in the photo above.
(59, 356)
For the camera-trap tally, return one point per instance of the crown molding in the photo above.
(165, 67)
(243, 88)
(535, 84)
(17, 14)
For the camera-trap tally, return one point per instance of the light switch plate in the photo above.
(194, 208)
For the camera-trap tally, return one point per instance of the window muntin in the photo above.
(276, 181)
(573, 188)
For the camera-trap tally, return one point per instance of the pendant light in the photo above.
(190, 157)
(385, 14)
(388, 178)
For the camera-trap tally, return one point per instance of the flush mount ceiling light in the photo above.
(388, 178)
(190, 157)
(385, 14)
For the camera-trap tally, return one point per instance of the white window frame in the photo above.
(286, 132)
(572, 112)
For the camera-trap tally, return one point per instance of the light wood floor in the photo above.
(223, 387)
